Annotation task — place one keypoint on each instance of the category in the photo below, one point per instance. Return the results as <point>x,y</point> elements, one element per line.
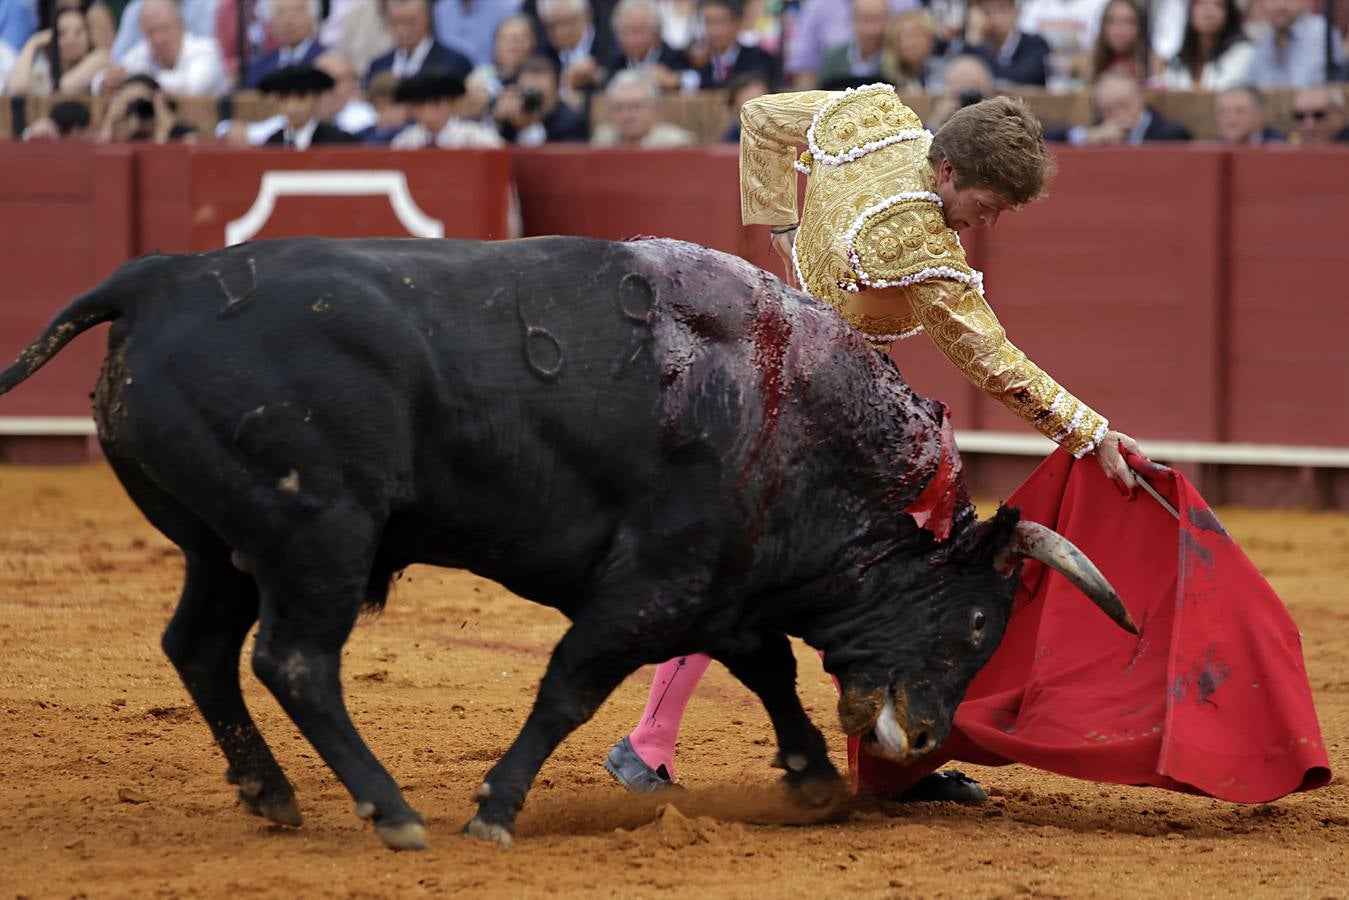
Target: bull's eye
<point>978,621</point>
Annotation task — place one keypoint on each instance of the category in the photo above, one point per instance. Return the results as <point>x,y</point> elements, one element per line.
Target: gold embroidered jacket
<point>872,221</point>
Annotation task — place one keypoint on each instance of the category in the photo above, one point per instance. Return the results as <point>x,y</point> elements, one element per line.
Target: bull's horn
<point>1033,540</point>
<point>888,733</point>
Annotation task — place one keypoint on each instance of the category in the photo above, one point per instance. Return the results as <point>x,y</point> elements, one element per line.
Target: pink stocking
<point>655,735</point>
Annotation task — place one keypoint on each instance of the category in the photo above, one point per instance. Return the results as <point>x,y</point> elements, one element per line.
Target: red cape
<point>1212,696</point>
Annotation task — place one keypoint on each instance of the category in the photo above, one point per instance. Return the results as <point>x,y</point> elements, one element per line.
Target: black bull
<point>660,441</point>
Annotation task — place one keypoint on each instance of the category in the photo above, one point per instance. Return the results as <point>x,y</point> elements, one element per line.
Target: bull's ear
<point>984,542</point>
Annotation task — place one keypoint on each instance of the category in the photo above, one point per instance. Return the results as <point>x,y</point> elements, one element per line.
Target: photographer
<point>141,111</point>
<point>967,80</point>
<point>529,112</point>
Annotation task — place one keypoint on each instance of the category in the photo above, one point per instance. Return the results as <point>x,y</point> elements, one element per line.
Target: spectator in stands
<point>1293,53</point>
<point>1124,117</point>
<point>634,115</point>
<point>298,90</point>
<point>198,18</point>
<point>179,62</point>
<point>910,62</point>
<point>761,24</point>
<point>140,110</point>
<point>432,98</point>
<point>1069,26</point>
<point>1214,54</point>
<point>359,29</point>
<point>742,89</point>
<point>257,39</point>
<point>967,81</point>
<point>572,45</point>
<point>515,42</point>
<point>823,24</point>
<point>1318,116</point>
<point>18,21</point>
<point>1242,120</point>
<point>679,25</point>
<point>294,27</point>
<point>98,18</point>
<point>1166,23</point>
<point>341,106</point>
<point>858,61</point>
<point>415,50</point>
<point>638,46</point>
<point>470,26</point>
<point>67,120</point>
<point>61,59</point>
<point>531,111</point>
<point>1015,56</point>
<point>391,116</point>
<point>1121,47</point>
<point>727,57</point>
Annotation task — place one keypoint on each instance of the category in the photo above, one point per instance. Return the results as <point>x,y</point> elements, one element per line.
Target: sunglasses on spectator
<point>1317,114</point>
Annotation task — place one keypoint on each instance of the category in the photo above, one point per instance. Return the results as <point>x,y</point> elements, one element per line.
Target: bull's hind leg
<point>769,670</point>
<point>306,618</point>
<point>203,640</point>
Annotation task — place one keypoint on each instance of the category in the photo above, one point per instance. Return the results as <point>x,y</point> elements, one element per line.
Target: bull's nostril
<point>920,742</point>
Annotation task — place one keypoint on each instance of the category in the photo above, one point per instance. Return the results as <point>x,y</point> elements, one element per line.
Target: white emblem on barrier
<point>391,184</point>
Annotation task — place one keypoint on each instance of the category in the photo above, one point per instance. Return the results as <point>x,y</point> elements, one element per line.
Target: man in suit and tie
<point>415,49</point>
<point>298,90</point>
<point>636,26</point>
<point>1015,56</point>
<point>1241,118</point>
<point>294,25</point>
<point>575,44</point>
<point>726,56</point>
<point>1125,117</point>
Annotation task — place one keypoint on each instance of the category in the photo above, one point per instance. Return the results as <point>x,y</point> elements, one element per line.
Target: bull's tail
<point>102,304</point>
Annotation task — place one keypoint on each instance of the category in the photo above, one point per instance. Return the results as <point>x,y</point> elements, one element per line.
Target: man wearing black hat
<point>297,90</point>
<point>433,100</point>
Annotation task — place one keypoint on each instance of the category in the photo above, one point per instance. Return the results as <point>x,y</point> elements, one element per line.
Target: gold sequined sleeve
<point>963,327</point>
<point>771,128</point>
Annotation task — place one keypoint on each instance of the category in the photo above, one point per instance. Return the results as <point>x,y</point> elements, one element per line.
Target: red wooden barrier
<point>1112,285</point>
<point>1188,293</point>
<point>201,198</point>
<point>688,194</point>
<point>1288,316</point>
<point>65,224</point>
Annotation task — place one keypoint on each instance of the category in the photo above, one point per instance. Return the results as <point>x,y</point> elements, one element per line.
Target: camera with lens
<point>140,108</point>
<point>970,97</point>
<point>531,101</point>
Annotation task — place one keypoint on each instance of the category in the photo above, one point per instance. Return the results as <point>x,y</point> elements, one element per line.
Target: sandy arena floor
<point>110,784</point>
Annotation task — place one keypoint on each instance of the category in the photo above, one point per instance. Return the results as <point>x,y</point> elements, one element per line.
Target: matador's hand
<point>1109,453</point>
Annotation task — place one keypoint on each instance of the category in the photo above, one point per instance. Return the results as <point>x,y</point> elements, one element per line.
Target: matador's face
<point>969,207</point>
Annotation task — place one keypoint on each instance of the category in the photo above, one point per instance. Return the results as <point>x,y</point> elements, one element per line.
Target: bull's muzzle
<point>882,721</point>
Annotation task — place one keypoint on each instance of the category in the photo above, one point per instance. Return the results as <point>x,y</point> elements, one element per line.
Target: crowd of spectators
<point>456,73</point>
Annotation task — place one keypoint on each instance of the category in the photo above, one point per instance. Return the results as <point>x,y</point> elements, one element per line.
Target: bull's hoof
<point>403,835</point>
<point>491,834</point>
<point>821,792</point>
<point>270,805</point>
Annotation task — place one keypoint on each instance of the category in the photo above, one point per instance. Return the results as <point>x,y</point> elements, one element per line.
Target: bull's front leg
<point>769,670</point>
<point>590,661</point>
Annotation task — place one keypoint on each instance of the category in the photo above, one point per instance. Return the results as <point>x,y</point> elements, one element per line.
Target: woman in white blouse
<point>61,59</point>
<point>1215,54</point>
